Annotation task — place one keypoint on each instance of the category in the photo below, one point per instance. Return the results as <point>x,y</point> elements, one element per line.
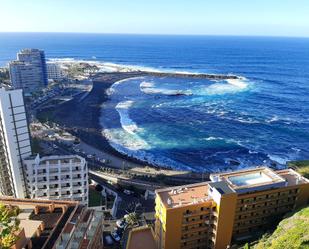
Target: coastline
<point>83,118</point>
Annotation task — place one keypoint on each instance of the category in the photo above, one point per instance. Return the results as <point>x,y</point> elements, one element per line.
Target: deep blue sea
<point>212,124</point>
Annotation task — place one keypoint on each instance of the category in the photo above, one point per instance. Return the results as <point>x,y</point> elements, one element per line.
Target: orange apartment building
<point>232,206</point>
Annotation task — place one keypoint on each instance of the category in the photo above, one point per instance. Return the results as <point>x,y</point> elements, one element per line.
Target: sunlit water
<point>197,124</point>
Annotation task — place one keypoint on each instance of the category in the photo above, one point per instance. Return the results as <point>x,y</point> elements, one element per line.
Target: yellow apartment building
<point>232,206</point>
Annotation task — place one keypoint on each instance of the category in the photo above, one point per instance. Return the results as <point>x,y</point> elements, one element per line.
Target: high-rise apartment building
<point>63,177</point>
<point>29,71</point>
<point>231,206</point>
<point>15,143</point>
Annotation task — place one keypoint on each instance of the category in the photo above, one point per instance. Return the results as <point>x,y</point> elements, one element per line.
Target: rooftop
<point>141,237</point>
<point>80,229</point>
<point>291,177</point>
<point>53,214</point>
<point>242,179</point>
<point>184,195</point>
<point>55,159</point>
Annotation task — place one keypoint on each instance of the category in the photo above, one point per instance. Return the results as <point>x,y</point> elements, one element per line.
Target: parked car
<point>109,240</point>
<point>115,236</point>
<point>89,156</point>
<point>128,192</point>
<point>76,150</point>
<point>120,223</point>
<point>119,231</point>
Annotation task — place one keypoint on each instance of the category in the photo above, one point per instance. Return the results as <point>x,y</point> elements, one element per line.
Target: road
<point>128,202</point>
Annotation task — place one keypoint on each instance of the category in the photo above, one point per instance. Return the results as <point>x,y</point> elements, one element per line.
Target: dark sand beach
<point>82,118</point>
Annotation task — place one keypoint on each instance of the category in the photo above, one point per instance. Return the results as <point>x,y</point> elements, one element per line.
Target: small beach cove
<point>82,118</point>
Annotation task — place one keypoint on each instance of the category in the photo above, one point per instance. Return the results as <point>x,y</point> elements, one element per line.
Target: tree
<point>9,225</point>
<point>98,188</point>
<point>131,219</point>
<point>246,246</point>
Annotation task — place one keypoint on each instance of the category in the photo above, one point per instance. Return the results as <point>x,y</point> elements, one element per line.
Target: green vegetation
<point>35,146</point>
<point>302,167</point>
<point>131,219</point>
<point>45,116</point>
<point>79,69</point>
<point>95,198</point>
<point>292,233</point>
<point>9,225</point>
<point>4,74</point>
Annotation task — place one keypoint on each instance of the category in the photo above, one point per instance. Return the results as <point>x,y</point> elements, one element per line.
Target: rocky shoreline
<point>175,74</point>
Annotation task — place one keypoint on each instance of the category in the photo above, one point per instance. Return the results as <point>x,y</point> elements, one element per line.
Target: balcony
<point>195,229</point>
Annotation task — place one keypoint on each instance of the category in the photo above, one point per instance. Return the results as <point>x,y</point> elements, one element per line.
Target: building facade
<point>46,224</point>
<point>54,72</point>
<point>231,207</point>
<point>57,178</point>
<point>29,71</point>
<point>15,143</point>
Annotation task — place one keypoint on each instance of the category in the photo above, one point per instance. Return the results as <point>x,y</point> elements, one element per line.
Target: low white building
<point>55,72</point>
<point>57,178</point>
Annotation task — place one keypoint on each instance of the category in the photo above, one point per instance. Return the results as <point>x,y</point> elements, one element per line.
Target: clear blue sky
<point>217,17</point>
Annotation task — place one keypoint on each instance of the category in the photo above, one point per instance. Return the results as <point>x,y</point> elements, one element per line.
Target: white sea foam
<point>134,146</point>
<point>232,86</point>
<point>146,84</point>
<point>213,138</point>
<point>150,89</point>
<point>112,89</point>
<point>126,122</point>
<point>240,83</point>
<point>120,139</point>
<point>272,119</point>
<point>279,159</point>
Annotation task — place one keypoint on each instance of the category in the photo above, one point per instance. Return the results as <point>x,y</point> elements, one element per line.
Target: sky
<point>201,17</point>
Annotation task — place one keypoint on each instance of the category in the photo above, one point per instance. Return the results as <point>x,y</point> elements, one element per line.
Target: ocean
<point>200,125</point>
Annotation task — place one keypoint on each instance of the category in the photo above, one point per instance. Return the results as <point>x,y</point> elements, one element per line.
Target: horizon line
<point>147,34</point>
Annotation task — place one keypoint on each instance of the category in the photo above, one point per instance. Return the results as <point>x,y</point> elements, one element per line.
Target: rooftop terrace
<point>251,178</point>
<point>291,177</point>
<point>184,195</point>
<point>141,237</point>
<point>243,181</point>
<point>41,220</point>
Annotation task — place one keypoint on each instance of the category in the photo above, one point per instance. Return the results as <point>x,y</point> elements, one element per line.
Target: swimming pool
<point>250,179</point>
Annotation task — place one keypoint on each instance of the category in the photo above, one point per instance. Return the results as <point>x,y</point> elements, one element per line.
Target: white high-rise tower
<point>15,143</point>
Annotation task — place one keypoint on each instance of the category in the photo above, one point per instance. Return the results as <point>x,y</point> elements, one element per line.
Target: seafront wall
<point>192,75</point>
<point>171,74</point>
